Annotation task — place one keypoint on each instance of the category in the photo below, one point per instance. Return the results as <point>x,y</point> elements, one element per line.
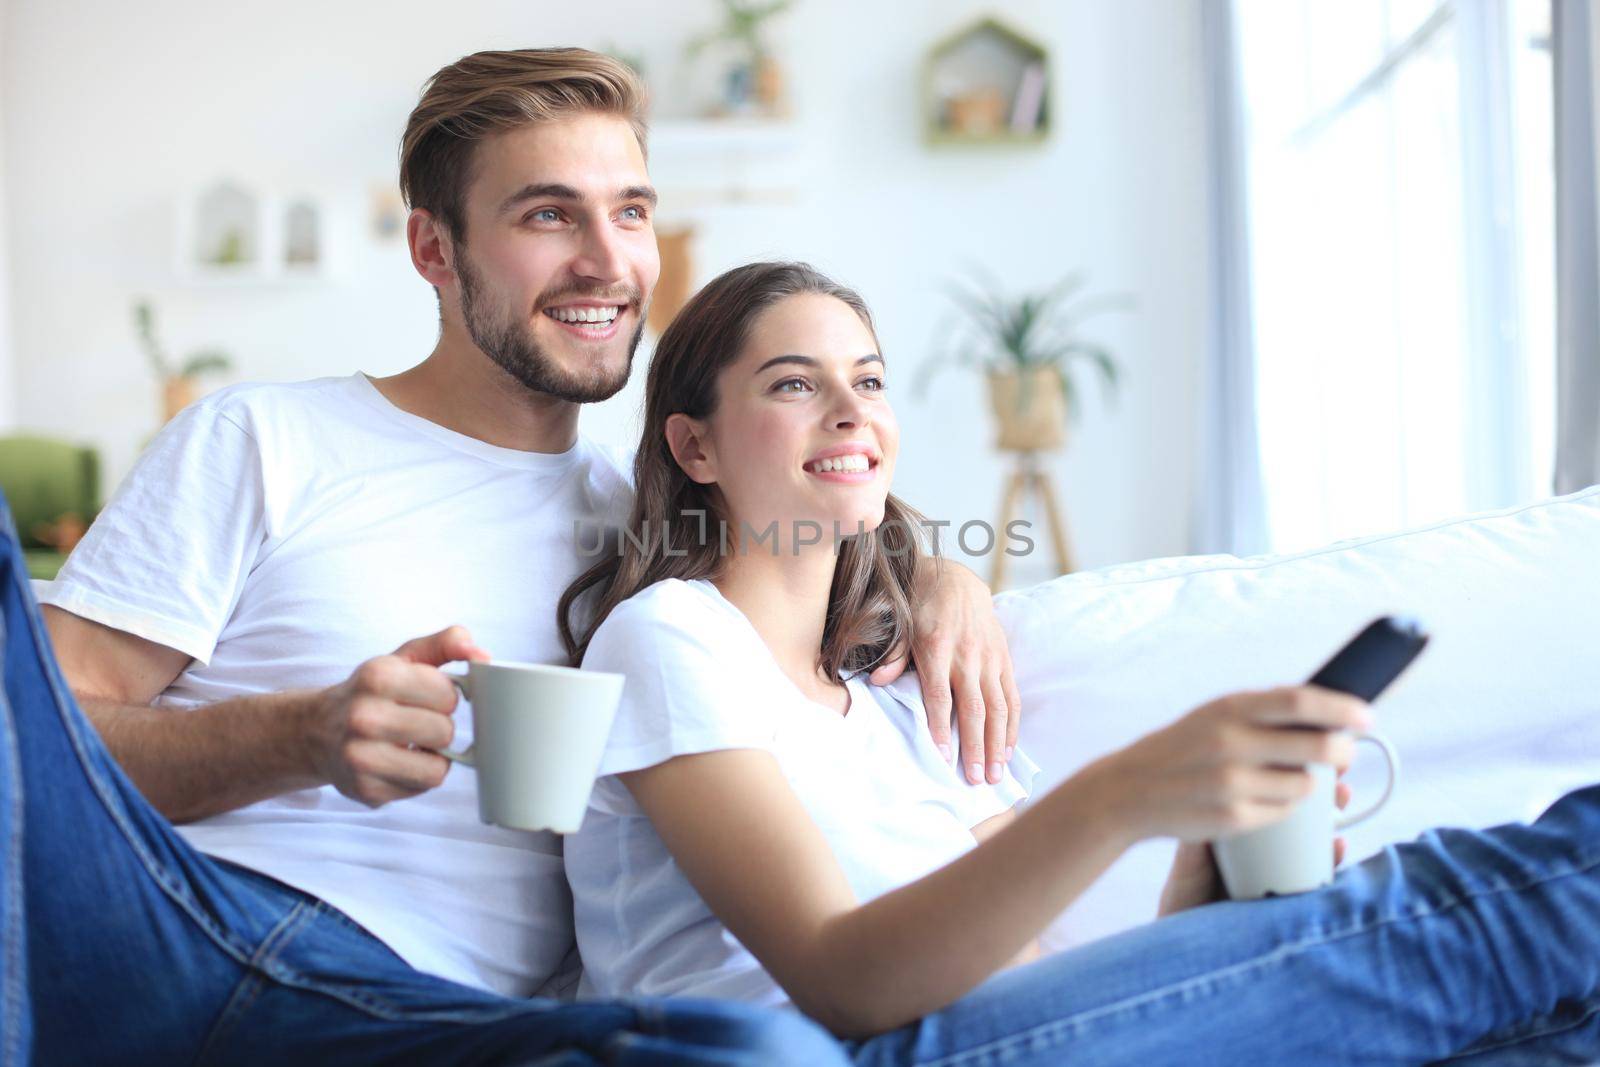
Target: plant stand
<point>1028,476</point>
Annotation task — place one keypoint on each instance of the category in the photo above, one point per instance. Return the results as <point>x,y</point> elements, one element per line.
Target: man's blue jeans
<point>121,944</point>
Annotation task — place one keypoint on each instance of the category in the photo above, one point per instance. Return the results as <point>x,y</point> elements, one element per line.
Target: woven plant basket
<point>1031,419</point>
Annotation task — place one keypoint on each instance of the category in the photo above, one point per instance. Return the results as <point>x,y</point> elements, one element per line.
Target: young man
<point>221,622</point>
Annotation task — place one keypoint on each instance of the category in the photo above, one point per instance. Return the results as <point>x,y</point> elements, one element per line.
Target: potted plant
<point>1027,346</point>
<point>180,382</point>
<point>756,76</point>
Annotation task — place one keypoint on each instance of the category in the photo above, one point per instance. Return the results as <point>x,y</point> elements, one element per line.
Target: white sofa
<point>1499,716</point>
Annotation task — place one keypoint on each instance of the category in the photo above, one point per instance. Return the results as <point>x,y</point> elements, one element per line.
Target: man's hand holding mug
<point>376,736</point>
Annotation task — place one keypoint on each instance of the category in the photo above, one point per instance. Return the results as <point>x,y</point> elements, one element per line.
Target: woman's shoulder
<point>667,602</point>
<point>674,613</point>
<point>689,685</point>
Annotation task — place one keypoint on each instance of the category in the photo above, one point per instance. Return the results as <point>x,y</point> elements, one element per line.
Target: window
<point>1401,216</point>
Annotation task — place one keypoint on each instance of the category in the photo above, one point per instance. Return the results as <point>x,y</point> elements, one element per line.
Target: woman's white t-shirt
<point>700,679</point>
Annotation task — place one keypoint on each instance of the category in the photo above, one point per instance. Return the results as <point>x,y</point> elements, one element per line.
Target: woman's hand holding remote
<point>1233,764</point>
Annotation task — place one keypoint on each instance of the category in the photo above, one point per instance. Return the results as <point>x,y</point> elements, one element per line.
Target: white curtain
<point>1397,233</point>
<point>1230,516</point>
<point>1577,248</point>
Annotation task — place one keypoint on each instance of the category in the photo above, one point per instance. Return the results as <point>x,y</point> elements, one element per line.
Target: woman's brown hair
<point>869,606</point>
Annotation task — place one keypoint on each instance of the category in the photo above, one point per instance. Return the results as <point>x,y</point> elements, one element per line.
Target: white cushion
<point>1496,719</point>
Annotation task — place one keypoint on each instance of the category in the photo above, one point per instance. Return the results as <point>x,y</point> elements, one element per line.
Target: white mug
<point>1295,854</point>
<point>538,734</point>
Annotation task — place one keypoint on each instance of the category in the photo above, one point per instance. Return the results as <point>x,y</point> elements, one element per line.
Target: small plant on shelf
<point>754,80</point>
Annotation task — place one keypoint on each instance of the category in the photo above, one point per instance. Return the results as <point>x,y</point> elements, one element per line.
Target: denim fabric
<point>16,1022</point>
<point>1484,946</point>
<point>129,946</point>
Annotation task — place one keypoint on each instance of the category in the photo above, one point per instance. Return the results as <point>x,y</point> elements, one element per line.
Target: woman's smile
<point>849,464</point>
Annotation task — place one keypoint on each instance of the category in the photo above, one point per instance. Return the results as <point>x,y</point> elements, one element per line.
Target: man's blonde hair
<point>487,93</point>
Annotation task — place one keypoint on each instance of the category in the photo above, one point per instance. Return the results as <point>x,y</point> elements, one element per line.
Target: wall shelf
<point>709,163</point>
<point>986,84</point>
<point>231,233</point>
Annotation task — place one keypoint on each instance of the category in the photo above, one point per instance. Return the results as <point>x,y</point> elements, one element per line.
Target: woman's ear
<point>691,447</point>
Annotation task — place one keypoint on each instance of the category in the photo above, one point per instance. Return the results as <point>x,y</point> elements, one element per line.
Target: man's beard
<point>510,344</point>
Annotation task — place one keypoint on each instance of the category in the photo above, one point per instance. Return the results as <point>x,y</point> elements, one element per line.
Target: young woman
<point>769,827</point>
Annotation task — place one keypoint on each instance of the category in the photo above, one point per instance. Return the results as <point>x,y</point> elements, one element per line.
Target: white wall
<point>7,359</point>
<point>127,106</point>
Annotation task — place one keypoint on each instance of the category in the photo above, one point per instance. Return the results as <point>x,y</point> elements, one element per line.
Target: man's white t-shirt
<point>282,534</point>
<point>700,679</point>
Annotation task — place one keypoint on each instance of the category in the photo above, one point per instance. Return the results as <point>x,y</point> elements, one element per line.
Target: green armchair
<point>48,483</point>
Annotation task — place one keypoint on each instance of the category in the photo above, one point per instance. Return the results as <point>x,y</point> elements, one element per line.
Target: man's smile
<point>591,322</point>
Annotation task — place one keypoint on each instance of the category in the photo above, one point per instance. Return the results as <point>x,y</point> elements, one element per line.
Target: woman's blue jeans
<point>1478,948</point>
<point>120,944</point>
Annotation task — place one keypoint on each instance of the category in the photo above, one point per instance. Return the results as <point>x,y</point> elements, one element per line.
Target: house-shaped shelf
<point>987,84</point>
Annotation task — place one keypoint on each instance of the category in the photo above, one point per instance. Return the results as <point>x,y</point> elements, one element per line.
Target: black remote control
<point>1373,658</point>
